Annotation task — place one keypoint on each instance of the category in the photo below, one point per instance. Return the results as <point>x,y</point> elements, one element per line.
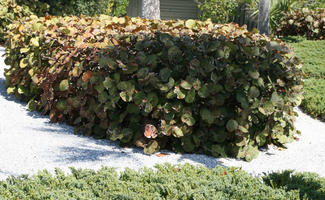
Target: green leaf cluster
<point>189,86</point>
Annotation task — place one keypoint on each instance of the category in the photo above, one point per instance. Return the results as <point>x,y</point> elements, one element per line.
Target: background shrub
<point>117,7</point>
<point>313,4</point>
<point>306,22</point>
<point>38,7</point>
<point>219,11</point>
<point>76,7</point>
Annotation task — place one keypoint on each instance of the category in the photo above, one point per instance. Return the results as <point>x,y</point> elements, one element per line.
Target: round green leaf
<point>186,85</point>
<point>190,96</point>
<point>64,85</point>
<point>177,132</point>
<point>188,119</point>
<point>232,125</point>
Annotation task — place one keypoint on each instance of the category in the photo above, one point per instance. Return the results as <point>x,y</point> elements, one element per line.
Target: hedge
<point>188,86</point>
<point>304,22</point>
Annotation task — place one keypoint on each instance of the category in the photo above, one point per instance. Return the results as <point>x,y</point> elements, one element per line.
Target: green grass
<point>312,54</point>
<point>166,182</point>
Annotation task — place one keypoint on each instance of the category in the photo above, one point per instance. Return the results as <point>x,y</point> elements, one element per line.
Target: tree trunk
<point>151,9</point>
<point>264,17</point>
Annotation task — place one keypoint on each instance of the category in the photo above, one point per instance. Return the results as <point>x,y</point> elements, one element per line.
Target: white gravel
<point>29,142</point>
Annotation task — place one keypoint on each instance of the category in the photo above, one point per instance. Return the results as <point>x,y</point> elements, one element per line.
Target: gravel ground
<point>29,142</point>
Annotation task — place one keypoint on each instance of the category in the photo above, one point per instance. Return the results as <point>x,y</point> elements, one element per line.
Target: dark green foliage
<point>309,185</point>
<point>167,182</point>
<point>304,22</point>
<point>312,55</point>
<point>38,7</point>
<point>189,86</point>
<point>76,7</point>
<point>219,11</point>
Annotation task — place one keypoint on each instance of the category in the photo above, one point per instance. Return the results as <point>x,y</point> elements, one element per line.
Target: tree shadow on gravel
<point>69,155</point>
<point>310,185</point>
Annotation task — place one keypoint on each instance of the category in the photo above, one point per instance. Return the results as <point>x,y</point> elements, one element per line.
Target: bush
<point>167,182</point>
<point>77,7</point>
<point>313,4</point>
<point>117,7</point>
<point>9,12</point>
<point>38,7</point>
<point>189,86</point>
<point>219,11</point>
<point>305,22</point>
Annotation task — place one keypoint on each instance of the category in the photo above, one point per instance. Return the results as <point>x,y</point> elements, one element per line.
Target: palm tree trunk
<point>151,9</point>
<point>264,17</point>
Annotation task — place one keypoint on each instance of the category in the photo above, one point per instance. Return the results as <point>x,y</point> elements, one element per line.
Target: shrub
<point>38,7</point>
<point>9,12</point>
<point>77,7</point>
<point>117,7</point>
<point>313,4</point>
<point>183,85</point>
<point>166,182</point>
<point>219,11</point>
<point>306,22</point>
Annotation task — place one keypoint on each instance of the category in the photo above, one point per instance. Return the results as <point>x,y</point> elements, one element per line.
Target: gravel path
<point>29,142</point>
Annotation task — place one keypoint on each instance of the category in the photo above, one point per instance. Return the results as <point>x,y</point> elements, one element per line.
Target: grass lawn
<point>312,54</point>
<point>167,182</point>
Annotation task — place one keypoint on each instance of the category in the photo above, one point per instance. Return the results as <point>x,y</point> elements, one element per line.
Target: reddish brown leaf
<point>87,76</point>
<point>150,131</point>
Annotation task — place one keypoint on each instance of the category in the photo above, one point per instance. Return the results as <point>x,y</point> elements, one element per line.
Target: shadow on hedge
<point>310,185</point>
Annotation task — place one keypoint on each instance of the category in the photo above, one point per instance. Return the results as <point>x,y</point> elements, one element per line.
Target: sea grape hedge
<point>304,22</point>
<point>189,86</point>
